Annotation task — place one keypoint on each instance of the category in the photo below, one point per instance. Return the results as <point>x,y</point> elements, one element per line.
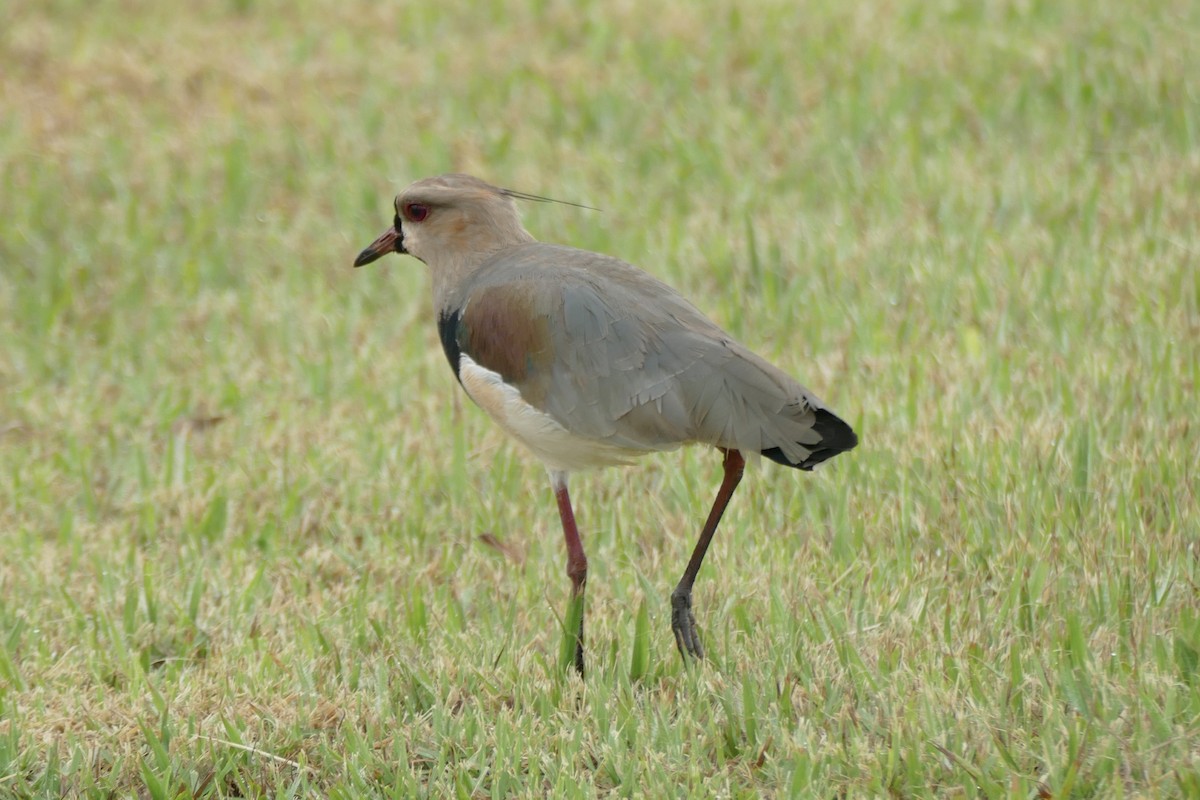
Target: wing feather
<point>620,358</point>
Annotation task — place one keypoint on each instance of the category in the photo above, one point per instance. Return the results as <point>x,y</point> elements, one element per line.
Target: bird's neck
<point>448,279</point>
<point>452,274</point>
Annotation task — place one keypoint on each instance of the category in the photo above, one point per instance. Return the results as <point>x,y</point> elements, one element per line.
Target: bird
<point>588,361</point>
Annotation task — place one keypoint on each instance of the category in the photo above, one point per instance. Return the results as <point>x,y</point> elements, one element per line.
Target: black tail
<point>836,437</point>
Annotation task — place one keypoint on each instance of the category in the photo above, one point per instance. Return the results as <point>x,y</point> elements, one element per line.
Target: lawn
<point>255,542</point>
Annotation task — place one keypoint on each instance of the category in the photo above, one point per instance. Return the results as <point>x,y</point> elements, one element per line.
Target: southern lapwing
<point>588,361</point>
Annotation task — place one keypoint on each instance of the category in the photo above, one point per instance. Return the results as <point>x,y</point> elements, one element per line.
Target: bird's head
<point>450,222</point>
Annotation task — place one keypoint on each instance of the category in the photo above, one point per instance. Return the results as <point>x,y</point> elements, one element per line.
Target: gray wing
<point>620,357</point>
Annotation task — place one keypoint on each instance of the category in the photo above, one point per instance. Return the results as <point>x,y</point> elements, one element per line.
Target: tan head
<point>451,222</point>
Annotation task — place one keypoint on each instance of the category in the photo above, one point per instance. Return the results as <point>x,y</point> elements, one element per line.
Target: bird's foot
<point>579,659</point>
<point>683,624</point>
<point>571,651</point>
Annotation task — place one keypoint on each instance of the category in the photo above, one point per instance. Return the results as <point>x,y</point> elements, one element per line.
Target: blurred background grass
<point>254,541</point>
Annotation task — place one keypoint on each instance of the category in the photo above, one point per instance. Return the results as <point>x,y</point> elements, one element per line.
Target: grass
<point>255,543</point>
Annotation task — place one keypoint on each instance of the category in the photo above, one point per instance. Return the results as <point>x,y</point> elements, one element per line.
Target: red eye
<point>416,212</point>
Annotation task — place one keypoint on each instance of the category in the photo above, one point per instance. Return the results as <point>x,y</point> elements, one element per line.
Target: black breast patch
<point>448,322</point>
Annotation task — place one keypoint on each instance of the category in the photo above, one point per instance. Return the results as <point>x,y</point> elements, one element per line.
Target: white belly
<point>557,447</point>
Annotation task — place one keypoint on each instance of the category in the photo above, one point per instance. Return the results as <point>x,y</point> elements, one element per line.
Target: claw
<point>683,625</point>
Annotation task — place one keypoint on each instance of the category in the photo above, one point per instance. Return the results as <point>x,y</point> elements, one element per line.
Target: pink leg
<point>576,558</point>
<point>682,622</point>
